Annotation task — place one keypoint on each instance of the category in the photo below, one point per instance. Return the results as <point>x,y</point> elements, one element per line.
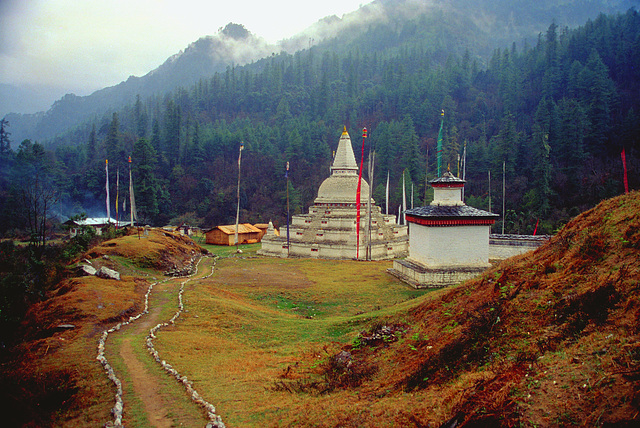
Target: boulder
<point>86,270</point>
<point>106,273</point>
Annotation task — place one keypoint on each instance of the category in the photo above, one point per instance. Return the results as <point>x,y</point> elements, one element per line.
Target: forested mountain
<point>555,112</point>
<point>441,26</point>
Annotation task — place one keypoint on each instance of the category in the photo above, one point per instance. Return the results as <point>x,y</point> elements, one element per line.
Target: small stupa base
<point>421,276</point>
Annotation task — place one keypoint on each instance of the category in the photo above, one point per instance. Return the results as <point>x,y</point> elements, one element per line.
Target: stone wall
<point>420,276</point>
<point>502,247</point>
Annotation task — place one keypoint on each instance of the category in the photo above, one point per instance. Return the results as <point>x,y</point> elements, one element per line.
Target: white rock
<point>106,273</point>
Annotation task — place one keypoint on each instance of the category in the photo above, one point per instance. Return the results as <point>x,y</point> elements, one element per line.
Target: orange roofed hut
<point>226,235</point>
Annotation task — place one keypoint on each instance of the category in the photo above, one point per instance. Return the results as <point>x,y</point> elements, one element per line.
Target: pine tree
<point>146,185</point>
<point>172,133</point>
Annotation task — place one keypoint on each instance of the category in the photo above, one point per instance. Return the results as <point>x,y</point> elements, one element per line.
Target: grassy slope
<point>256,316</point>
<point>548,338</point>
<point>53,377</point>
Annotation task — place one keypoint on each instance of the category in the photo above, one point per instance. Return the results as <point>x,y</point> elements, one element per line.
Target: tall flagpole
<point>623,155</point>
<point>464,166</point>
<point>411,194</point>
<point>238,207</point>
<point>106,163</point>
<point>439,147</point>
<point>132,201</point>
<point>404,201</point>
<point>286,174</point>
<point>504,214</point>
<point>426,179</point>
<point>372,161</point>
<point>364,135</point>
<point>386,208</point>
<point>117,194</point>
<point>489,172</point>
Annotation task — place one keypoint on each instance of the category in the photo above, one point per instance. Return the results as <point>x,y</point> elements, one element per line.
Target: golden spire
<point>344,130</point>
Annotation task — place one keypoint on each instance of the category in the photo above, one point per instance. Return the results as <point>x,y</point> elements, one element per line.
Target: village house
<point>226,235</point>
<point>95,223</point>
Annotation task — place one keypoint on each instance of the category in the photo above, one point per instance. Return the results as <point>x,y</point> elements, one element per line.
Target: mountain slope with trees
<point>556,114</point>
<point>449,25</point>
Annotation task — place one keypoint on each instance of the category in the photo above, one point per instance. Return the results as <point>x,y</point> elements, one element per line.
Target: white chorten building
<point>328,231</point>
<point>448,240</point>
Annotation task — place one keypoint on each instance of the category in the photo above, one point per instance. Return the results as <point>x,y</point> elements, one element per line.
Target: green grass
<point>230,250</point>
<point>256,316</point>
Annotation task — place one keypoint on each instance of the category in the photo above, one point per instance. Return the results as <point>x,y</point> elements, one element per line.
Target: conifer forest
<point>551,117</point>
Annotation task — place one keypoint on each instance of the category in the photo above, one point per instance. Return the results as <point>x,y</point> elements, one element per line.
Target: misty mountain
<point>445,26</point>
<point>232,45</point>
<point>26,99</point>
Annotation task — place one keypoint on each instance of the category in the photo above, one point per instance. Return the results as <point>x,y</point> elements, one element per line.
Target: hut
<point>263,228</point>
<point>226,235</point>
<point>95,223</point>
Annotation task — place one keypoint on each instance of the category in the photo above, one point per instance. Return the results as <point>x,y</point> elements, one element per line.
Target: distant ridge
<point>479,26</point>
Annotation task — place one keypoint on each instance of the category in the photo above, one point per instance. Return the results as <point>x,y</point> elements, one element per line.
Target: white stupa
<point>329,229</point>
<point>448,240</point>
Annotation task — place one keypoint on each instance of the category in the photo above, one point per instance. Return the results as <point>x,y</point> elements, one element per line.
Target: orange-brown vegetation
<point>53,372</point>
<point>550,338</point>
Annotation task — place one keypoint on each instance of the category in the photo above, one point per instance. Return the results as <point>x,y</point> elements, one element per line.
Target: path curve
<point>144,383</point>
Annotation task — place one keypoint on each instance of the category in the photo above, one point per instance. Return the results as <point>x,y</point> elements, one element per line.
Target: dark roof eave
<point>449,211</point>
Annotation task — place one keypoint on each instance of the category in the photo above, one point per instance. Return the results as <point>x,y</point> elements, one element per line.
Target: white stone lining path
<point>215,421</point>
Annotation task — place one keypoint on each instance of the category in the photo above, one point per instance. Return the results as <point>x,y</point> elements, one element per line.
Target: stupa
<point>328,231</point>
<point>448,240</point>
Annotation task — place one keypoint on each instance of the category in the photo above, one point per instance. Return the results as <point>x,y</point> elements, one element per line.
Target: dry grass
<point>550,338</point>
<point>52,377</point>
<point>256,317</point>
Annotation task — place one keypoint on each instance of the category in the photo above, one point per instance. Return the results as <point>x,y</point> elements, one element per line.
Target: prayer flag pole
<point>287,177</point>
<point>238,207</point>
<point>386,209</point>
<point>372,161</point>
<point>106,163</point>
<point>624,165</point>
<point>404,201</point>
<point>117,194</point>
<point>439,147</point>
<point>364,135</point>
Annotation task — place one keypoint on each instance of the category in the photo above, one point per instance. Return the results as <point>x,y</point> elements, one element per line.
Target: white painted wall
<point>449,246</point>
<point>447,196</point>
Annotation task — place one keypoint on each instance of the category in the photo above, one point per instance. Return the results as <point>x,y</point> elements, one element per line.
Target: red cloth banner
<point>624,166</point>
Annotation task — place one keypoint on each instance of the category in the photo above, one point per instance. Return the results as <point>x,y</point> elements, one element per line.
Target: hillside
<point>53,369</point>
<point>551,119</point>
<point>550,338</point>
<point>377,27</point>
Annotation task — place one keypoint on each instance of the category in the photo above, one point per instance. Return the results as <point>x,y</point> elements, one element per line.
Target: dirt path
<point>144,383</point>
<point>158,405</point>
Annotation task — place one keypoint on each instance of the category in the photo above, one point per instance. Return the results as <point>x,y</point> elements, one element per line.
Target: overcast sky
<point>82,46</point>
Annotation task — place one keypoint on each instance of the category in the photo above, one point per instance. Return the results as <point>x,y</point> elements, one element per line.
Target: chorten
<point>328,231</point>
<point>448,240</point>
